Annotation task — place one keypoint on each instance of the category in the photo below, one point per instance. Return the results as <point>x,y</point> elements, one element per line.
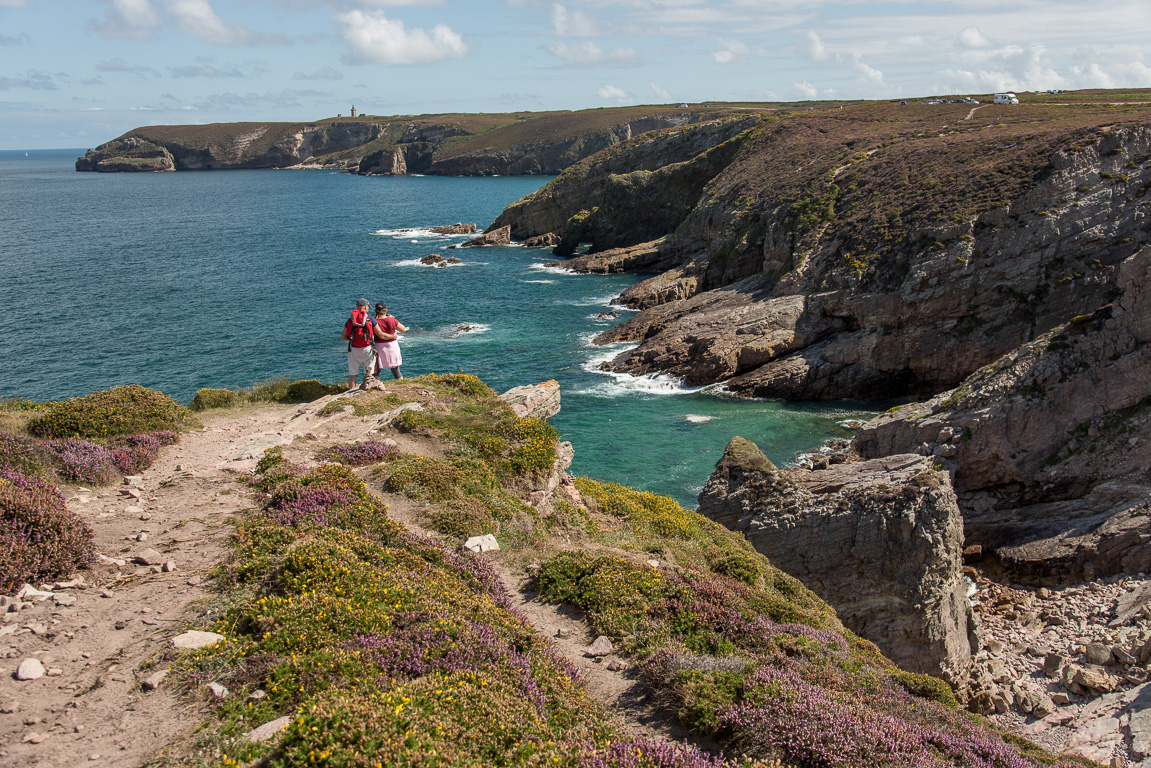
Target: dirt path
<point>620,689</point>
<point>973,110</point>
<point>97,640</point>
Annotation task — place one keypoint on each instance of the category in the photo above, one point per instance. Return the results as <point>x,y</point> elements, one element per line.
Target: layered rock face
<point>849,254</point>
<point>881,541</point>
<point>458,145</point>
<point>632,193</point>
<point>1048,445</point>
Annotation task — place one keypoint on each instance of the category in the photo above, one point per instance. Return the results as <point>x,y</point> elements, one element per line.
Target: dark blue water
<point>185,280</point>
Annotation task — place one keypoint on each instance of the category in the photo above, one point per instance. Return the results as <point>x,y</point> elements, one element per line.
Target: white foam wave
<point>595,318</point>
<point>418,263</point>
<point>407,233</point>
<point>539,265</point>
<point>540,282</point>
<point>695,418</point>
<point>465,329</point>
<point>625,383</point>
<point>594,301</point>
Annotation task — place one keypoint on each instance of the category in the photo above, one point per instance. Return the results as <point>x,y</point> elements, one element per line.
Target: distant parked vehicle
<point>903,103</point>
<point>970,100</point>
<point>1006,98</point>
<point>934,101</point>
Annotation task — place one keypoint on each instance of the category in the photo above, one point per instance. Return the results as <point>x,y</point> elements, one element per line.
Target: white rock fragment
<point>28,592</point>
<point>218,690</point>
<point>30,669</point>
<point>152,681</point>
<point>485,543</point>
<point>194,639</point>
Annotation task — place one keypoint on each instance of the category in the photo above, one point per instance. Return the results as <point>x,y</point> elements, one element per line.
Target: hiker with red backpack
<point>359,332</point>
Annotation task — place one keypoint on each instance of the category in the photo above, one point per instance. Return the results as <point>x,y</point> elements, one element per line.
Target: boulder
<point>881,541</point>
<point>30,669</point>
<point>1094,679</point>
<point>600,647</point>
<point>546,240</point>
<point>500,236</point>
<point>433,259</point>
<point>541,401</point>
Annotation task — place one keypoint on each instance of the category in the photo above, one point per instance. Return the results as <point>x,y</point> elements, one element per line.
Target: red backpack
<point>360,329</point>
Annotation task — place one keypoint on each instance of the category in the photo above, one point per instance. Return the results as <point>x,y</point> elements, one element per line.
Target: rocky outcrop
<point>456,145</point>
<point>501,236</point>
<point>635,192</point>
<point>455,229</point>
<point>643,256</point>
<point>916,256</point>
<point>129,154</point>
<point>881,541</point>
<point>540,401</point>
<point>1048,445</point>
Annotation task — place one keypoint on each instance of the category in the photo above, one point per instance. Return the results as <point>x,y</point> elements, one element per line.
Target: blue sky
<point>77,73</point>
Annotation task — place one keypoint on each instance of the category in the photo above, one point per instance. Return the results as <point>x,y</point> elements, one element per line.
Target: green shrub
<point>213,398</point>
<point>463,518</point>
<point>39,538</point>
<point>424,478</point>
<point>127,410</point>
<point>925,687</point>
<point>307,390</point>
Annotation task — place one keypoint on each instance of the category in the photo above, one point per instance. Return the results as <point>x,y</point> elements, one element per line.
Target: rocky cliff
<point>881,541</point>
<point>867,251</point>
<point>1048,444</point>
<point>454,144</point>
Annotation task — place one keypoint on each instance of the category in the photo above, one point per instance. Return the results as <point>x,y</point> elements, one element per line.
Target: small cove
<point>184,280</point>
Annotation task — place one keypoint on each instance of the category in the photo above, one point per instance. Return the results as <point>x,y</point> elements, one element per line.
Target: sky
<point>76,73</point>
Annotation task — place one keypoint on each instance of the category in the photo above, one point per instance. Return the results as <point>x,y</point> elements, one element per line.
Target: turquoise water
<point>185,280</point>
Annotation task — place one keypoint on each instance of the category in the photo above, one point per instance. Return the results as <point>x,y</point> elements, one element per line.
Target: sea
<point>184,280</point>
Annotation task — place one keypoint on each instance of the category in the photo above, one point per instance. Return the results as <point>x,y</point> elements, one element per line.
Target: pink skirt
<point>389,353</point>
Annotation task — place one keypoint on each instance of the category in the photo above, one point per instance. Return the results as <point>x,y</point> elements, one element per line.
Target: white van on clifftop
<point>1006,98</point>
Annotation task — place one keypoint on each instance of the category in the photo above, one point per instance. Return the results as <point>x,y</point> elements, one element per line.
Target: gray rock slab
<point>601,647</point>
<point>268,730</point>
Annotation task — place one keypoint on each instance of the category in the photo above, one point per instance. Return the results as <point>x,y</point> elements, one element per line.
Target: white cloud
<point>127,19</point>
<point>591,53</point>
<point>813,48</point>
<point>573,23</point>
<point>971,37</point>
<point>376,38</point>
<point>731,50</point>
<point>12,3</point>
<point>199,19</point>
<point>805,90</point>
<point>17,39</point>
<point>870,78</point>
<point>614,93</point>
<point>327,73</point>
<point>660,92</point>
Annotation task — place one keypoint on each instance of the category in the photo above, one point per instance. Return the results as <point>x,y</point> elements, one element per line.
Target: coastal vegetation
<point>385,645</point>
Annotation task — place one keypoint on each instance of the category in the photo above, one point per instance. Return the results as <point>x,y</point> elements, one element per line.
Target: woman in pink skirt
<point>387,347</point>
